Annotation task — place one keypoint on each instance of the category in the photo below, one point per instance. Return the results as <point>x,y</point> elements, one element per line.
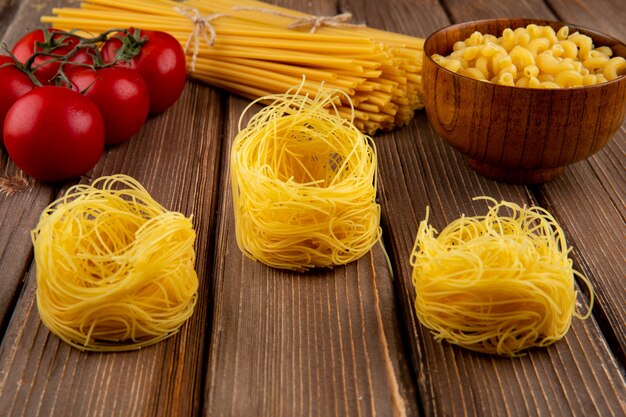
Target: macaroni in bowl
<point>534,57</point>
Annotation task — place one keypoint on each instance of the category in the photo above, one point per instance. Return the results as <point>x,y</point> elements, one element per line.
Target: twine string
<point>202,27</point>
<point>15,184</point>
<point>315,22</point>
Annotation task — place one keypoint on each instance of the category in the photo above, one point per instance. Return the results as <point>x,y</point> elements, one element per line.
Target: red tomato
<point>13,85</point>
<point>161,64</point>
<point>54,133</point>
<point>121,96</point>
<point>46,67</point>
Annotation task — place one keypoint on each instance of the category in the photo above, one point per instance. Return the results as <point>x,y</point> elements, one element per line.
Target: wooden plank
<point>19,17</point>
<point>602,15</point>
<point>7,11</point>
<point>175,156</point>
<point>315,344</point>
<point>597,188</point>
<point>418,170</point>
<point>287,344</point>
<point>608,166</point>
<point>596,231</point>
<point>431,174</point>
<point>429,13</point>
<point>18,212</point>
<point>462,11</point>
<point>321,343</point>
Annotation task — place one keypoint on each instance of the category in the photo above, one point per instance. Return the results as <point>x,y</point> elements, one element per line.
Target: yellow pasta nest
<point>304,184</point>
<point>534,57</point>
<point>115,270</point>
<point>498,283</point>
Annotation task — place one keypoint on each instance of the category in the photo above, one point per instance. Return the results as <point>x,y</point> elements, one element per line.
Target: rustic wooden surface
<point>341,342</point>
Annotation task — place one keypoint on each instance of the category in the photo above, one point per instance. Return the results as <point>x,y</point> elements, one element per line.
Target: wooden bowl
<point>519,135</point>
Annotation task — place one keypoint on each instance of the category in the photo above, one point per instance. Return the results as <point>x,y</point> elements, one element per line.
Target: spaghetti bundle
<point>115,269</point>
<point>255,49</point>
<point>498,283</point>
<point>304,184</point>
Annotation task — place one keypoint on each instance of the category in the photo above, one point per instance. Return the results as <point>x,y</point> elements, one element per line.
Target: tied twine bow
<point>315,22</point>
<point>202,24</point>
<point>201,27</point>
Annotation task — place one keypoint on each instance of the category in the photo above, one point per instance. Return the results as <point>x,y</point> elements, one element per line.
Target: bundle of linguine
<point>255,49</point>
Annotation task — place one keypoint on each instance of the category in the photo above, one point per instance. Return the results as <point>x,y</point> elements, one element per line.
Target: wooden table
<point>341,342</point>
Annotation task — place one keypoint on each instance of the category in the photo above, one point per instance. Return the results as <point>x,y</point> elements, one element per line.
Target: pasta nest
<point>499,283</point>
<point>304,184</point>
<point>115,269</point>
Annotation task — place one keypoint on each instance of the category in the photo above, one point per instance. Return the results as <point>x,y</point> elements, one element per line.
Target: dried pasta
<point>534,57</point>
<point>255,53</point>
<point>498,283</point>
<point>304,184</point>
<point>115,269</point>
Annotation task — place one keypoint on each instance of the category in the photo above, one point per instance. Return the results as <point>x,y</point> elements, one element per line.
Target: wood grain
<point>176,156</point>
<point>7,11</point>
<point>454,381</point>
<point>463,11</point>
<point>329,342</point>
<point>321,343</point>
<point>20,214</point>
<point>418,170</point>
<point>604,15</point>
<point>597,188</point>
<point>21,211</point>
<point>589,199</point>
<point>317,344</point>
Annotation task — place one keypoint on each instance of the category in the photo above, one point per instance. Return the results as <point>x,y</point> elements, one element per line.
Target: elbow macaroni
<point>534,57</point>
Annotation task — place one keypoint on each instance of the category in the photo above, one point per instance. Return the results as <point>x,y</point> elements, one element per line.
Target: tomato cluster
<point>63,97</point>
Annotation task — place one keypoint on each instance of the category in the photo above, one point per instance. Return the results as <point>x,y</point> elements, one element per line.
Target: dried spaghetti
<point>497,283</point>
<point>115,269</point>
<point>304,184</point>
<point>254,49</point>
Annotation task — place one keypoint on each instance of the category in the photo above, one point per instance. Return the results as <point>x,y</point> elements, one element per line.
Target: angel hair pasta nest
<point>115,270</point>
<point>499,283</point>
<point>304,184</point>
